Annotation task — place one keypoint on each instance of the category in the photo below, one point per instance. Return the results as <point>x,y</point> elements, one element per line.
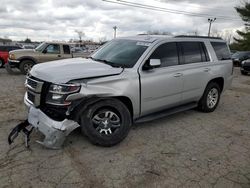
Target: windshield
<point>41,46</point>
<point>123,53</point>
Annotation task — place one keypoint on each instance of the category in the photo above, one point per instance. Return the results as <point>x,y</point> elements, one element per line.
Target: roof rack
<point>194,36</point>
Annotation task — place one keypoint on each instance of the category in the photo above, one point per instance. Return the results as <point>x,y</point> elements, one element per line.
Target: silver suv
<point>128,80</point>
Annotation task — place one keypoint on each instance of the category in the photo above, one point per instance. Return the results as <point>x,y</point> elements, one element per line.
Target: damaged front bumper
<point>55,132</point>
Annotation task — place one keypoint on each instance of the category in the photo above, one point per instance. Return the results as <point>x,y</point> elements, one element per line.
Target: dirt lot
<point>189,149</point>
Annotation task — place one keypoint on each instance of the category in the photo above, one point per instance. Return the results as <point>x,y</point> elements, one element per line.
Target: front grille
<point>31,83</point>
<point>31,97</point>
<point>34,86</point>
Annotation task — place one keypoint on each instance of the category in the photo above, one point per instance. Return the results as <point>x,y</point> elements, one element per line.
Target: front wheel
<point>106,122</point>
<point>26,66</point>
<point>243,72</point>
<point>210,98</point>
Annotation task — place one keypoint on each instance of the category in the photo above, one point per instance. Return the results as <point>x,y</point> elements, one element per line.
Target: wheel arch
<point>219,81</point>
<point>127,102</point>
<point>27,58</point>
<point>83,105</point>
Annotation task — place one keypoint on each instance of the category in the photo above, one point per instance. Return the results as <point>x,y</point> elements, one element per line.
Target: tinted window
<point>221,50</point>
<point>66,49</point>
<point>167,53</point>
<point>193,52</point>
<point>53,49</point>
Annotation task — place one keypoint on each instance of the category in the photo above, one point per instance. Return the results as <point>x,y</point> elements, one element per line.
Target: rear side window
<point>221,50</point>
<point>167,53</point>
<point>193,52</point>
<point>66,49</point>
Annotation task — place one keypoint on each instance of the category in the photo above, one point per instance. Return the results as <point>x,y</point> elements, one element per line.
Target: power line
<point>198,6</point>
<point>177,11</point>
<point>173,11</point>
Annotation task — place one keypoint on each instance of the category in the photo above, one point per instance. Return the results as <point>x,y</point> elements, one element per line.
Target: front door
<point>161,87</point>
<point>50,53</point>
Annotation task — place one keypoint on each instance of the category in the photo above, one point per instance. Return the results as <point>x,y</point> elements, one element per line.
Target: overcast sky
<point>58,19</point>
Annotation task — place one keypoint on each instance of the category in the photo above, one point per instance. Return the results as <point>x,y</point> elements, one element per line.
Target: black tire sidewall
<point>1,63</point>
<point>203,102</point>
<point>22,65</point>
<point>243,72</point>
<point>94,136</point>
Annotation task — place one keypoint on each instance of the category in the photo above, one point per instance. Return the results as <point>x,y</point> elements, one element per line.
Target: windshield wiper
<point>108,62</point>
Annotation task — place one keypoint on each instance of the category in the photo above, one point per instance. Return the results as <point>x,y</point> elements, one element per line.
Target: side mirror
<point>45,51</point>
<point>154,63</point>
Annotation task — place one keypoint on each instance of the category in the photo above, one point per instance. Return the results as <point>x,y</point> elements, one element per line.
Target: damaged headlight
<point>59,92</point>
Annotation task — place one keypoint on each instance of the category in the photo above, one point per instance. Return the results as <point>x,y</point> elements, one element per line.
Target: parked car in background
<point>25,59</point>
<point>28,46</point>
<point>80,52</point>
<point>4,53</point>
<point>245,67</point>
<point>240,56</point>
<point>130,79</point>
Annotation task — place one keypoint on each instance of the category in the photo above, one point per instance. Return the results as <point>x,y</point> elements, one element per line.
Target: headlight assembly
<point>59,92</point>
<point>12,56</point>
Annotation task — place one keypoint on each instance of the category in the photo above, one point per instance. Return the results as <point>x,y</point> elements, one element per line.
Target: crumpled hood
<point>62,71</point>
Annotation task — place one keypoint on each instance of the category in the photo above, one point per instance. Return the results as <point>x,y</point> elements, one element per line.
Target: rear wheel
<point>243,72</point>
<point>210,98</point>
<point>106,122</point>
<point>1,63</point>
<point>26,66</point>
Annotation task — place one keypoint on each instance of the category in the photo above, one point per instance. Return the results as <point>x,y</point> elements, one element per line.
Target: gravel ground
<point>189,149</point>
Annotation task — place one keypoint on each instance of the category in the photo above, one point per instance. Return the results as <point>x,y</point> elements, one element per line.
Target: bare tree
<point>81,34</point>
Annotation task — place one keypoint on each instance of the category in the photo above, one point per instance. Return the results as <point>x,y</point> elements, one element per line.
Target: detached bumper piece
<point>25,128</point>
<point>55,132</point>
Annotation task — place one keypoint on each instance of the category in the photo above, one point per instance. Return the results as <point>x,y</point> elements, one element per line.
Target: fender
<point>27,58</point>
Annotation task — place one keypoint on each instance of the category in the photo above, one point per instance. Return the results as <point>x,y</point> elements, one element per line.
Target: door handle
<point>59,56</point>
<point>178,75</point>
<point>207,69</point>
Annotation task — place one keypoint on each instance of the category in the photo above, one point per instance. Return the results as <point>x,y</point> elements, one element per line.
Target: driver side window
<point>167,53</point>
<point>53,49</point>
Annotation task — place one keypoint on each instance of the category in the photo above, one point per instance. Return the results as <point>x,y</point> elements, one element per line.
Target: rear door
<point>161,87</point>
<point>196,64</point>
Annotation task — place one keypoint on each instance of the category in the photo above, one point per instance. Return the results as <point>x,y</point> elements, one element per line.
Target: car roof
<point>54,42</point>
<point>153,38</point>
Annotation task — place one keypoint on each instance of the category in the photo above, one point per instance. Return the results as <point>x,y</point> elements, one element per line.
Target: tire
<point>26,66</point>
<point>105,123</point>
<point>243,72</point>
<point>1,63</point>
<point>212,92</point>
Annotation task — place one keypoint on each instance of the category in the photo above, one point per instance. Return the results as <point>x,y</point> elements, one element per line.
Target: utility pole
<point>115,28</point>
<point>210,21</point>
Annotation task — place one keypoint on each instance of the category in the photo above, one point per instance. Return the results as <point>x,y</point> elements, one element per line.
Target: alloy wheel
<point>212,98</point>
<point>106,122</point>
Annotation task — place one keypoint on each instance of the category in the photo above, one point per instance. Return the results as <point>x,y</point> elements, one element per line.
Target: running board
<point>161,114</point>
